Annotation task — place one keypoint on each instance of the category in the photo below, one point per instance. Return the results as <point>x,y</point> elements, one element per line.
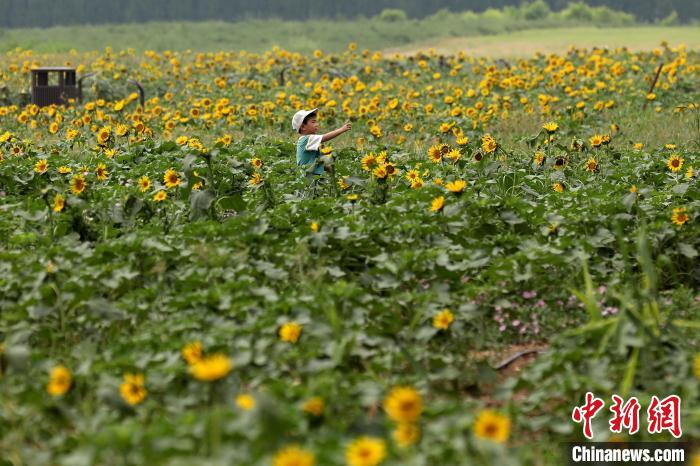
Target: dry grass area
<point>526,43</point>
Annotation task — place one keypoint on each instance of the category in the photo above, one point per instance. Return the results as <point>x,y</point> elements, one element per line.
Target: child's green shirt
<point>308,151</point>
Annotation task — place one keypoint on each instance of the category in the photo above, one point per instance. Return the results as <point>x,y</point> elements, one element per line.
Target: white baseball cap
<point>299,116</point>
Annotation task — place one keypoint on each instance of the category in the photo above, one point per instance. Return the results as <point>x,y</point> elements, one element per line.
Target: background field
<point>495,38</point>
<point>526,43</point>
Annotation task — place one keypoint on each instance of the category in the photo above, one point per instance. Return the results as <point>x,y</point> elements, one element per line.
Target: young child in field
<point>308,146</point>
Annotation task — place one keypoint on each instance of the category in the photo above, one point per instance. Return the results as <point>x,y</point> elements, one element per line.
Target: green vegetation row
<point>44,13</point>
<point>390,29</point>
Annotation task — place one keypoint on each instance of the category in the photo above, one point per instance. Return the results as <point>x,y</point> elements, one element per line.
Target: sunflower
<point>454,155</point>
<point>293,456</point>
<point>558,187</point>
<point>559,163</point>
<point>256,179</point>
<point>437,204</point>
<point>257,163</point>
<point>550,127</point>
<point>435,153</point>
<point>132,389</point>
<point>53,128</point>
<point>290,332</point>
<point>596,140</point>
<point>245,401</point>
<point>343,183</point>
<point>443,319</point>
<point>314,406</point>
<point>182,140</point>
<point>462,141</point>
<point>122,130</point>
<point>60,381</point>
<point>488,144</point>
<point>211,368</point>
<point>369,161</point>
<point>78,184</point>
<point>71,134</point>
<point>391,169</point>
<point>101,171</point>
<point>696,366</point>
<point>478,156</point>
<point>493,426</point>
<point>691,173</point>
<point>675,163</point>
<point>380,172</point>
<point>591,165</point>
<point>171,178</point>
<point>376,131</point>
<point>144,183</point>
<point>679,216</point>
<point>403,404</point>
<point>352,197</point>
<point>192,352</point>
<point>59,203</point>
<point>412,175</point>
<point>103,135</point>
<point>446,127</point>
<point>365,451</point>
<point>456,187</point>
<point>406,434</point>
<point>417,183</point>
<point>160,196</point>
<point>539,158</point>
<point>41,166</point>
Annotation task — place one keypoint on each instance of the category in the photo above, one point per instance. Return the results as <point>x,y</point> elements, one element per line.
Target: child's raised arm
<point>336,132</point>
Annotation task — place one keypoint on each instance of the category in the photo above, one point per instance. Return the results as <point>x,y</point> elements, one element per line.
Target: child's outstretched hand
<point>347,126</point>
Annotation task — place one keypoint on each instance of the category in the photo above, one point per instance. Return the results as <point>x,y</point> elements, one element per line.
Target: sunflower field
<point>491,240</point>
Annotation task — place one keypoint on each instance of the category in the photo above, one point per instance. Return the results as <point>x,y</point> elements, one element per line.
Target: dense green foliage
<point>35,13</point>
<point>551,202</point>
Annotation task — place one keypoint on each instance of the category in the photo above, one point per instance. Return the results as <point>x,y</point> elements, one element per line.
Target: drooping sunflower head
<point>59,203</point>
<point>539,158</point>
<point>437,204</point>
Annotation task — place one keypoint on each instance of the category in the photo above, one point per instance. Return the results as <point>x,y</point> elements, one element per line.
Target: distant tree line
<point>43,13</point>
